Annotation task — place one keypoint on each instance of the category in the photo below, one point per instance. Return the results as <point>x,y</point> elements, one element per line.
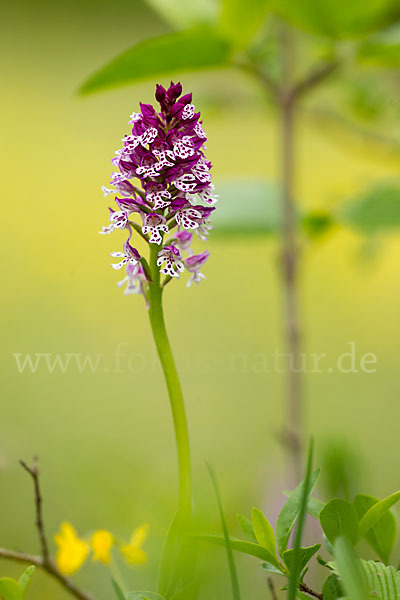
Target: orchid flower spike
<point>162,178</point>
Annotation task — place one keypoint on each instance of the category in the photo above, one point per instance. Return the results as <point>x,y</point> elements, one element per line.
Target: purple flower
<point>171,258</point>
<point>172,193</point>
<point>194,264</point>
<point>135,281</point>
<point>130,256</point>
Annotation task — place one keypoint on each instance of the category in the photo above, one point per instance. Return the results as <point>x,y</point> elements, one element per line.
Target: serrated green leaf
<point>382,536</point>
<point>375,210</point>
<point>339,519</point>
<point>338,18</point>
<point>247,528</point>
<point>383,580</point>
<point>188,592</point>
<point>376,512</point>
<point>289,513</point>
<point>332,589</point>
<point>10,589</point>
<point>305,556</point>
<point>263,530</point>
<point>198,48</point>
<point>25,579</point>
<point>244,547</point>
<point>350,571</point>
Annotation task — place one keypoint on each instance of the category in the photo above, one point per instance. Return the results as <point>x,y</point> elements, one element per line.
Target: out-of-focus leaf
<point>10,589</point>
<point>25,579</point>
<point>289,513</point>
<point>339,519</point>
<point>143,596</point>
<point>228,547</point>
<point>244,547</point>
<point>376,512</point>
<point>316,223</point>
<point>350,570</point>
<point>305,556</point>
<point>314,506</point>
<point>331,589</point>
<point>198,48</point>
<point>247,207</point>
<point>247,528</point>
<point>263,530</point>
<point>338,18</point>
<point>271,569</point>
<point>240,20</point>
<point>117,589</point>
<point>186,14</point>
<point>189,592</point>
<point>382,536</point>
<point>376,210</point>
<point>382,49</point>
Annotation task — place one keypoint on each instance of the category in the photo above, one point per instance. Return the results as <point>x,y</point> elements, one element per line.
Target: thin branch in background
<point>34,473</point>
<point>271,587</point>
<point>317,75</point>
<point>44,561</point>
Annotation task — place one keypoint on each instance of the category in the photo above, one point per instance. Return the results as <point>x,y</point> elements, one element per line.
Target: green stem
<point>157,322</point>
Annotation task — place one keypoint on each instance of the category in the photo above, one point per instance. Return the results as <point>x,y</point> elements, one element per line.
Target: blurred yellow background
<point>105,439</point>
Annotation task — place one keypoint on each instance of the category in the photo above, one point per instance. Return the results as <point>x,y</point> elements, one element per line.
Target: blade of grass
<point>295,570</point>
<point>229,553</point>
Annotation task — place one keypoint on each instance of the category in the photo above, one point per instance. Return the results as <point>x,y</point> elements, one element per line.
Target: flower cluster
<point>73,551</point>
<point>171,195</point>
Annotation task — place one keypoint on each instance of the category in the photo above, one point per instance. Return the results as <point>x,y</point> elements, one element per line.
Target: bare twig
<point>34,473</point>
<point>50,568</point>
<point>44,561</point>
<point>262,76</point>
<point>271,587</point>
<point>317,75</point>
<point>304,588</point>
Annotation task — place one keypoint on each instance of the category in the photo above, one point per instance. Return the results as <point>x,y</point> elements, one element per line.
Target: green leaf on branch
<point>305,556</point>
<point>375,210</point>
<point>376,512</point>
<point>339,519</point>
<point>263,530</point>
<point>338,18</point>
<point>197,48</point>
<point>382,537</point>
<point>383,581</point>
<point>289,513</point>
<point>247,528</point>
<point>332,590</point>
<point>244,547</point>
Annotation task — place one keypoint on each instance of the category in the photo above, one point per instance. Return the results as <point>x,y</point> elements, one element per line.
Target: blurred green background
<point>105,439</point>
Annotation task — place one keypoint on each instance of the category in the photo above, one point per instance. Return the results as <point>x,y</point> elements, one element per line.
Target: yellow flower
<point>102,542</point>
<point>72,551</point>
<point>133,552</point>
